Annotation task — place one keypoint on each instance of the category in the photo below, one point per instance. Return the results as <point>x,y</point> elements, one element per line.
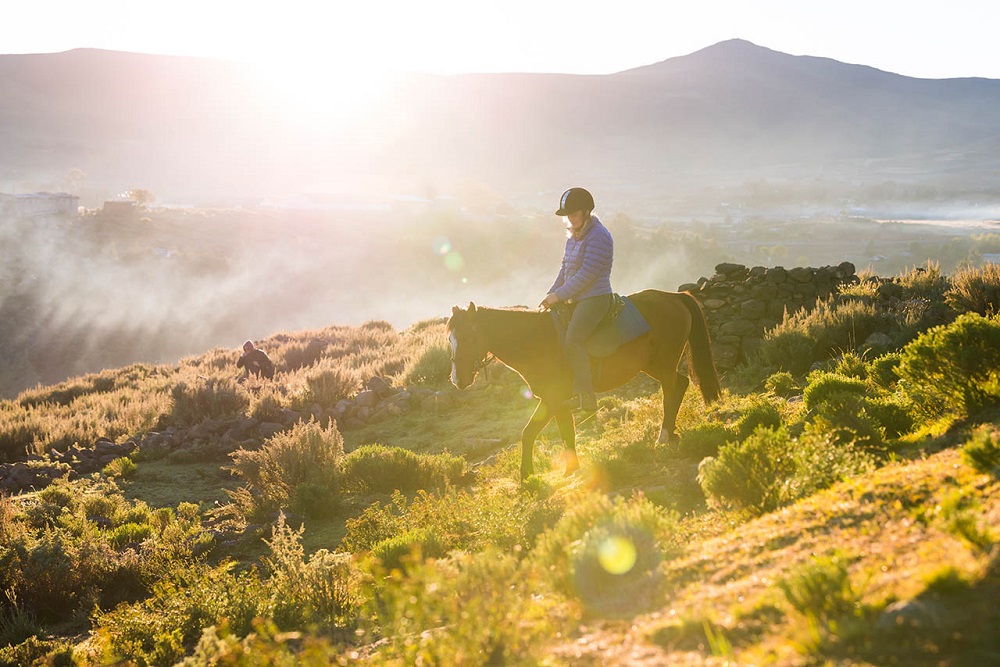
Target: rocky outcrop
<point>741,303</point>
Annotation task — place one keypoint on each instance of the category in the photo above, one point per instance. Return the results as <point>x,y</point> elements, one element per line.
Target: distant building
<point>39,204</point>
<point>119,209</point>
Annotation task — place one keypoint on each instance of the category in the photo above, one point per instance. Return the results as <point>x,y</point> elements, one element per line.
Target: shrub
<point>952,370</point>
<point>752,474</point>
<point>781,383</point>
<point>268,406</point>
<point>704,440</point>
<point>487,608</point>
<point>982,451</point>
<point>300,355</point>
<point>325,385</point>
<point>306,454</point>
<point>211,398</point>
<point>850,364</point>
<point>810,335</point>
<point>822,459</point>
<point>787,348</point>
<point>884,370</point>
<point>975,290</point>
<point>497,515</point>
<point>378,469</point>
<point>323,590</point>
<point>606,553</point>
<point>123,467</point>
<point>833,391</point>
<point>161,629</point>
<point>759,412</point>
<point>413,545</point>
<point>822,590</point>
<point>432,367</point>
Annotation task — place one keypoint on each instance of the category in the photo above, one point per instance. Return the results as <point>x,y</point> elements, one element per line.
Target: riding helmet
<point>575,199</point>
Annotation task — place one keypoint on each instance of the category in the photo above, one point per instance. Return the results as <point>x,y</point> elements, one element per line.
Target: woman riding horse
<point>585,280</point>
<point>528,342</point>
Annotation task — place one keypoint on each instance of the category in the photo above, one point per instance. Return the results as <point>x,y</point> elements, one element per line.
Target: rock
<point>776,275</point>
<point>380,386</point>
<point>366,399</point>
<point>753,309</point>
<point>800,274</point>
<point>713,304</point>
<point>739,328</point>
<point>909,615</point>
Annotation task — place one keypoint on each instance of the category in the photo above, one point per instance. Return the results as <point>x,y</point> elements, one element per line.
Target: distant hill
<point>198,130</point>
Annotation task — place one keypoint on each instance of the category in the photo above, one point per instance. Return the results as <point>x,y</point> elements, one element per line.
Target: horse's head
<point>468,346</point>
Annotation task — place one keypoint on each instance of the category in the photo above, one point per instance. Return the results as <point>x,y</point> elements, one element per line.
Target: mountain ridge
<point>197,129</point>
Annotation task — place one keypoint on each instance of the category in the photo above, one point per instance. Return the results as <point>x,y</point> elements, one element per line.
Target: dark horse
<point>526,341</point>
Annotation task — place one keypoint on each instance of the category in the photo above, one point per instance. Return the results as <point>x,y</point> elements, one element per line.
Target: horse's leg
<point>541,417</point>
<point>673,393</point>
<point>567,429</point>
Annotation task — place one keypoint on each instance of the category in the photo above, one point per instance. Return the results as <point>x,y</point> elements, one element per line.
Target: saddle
<point>622,323</point>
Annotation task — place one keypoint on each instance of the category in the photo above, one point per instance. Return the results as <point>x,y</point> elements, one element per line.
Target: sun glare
<point>320,94</point>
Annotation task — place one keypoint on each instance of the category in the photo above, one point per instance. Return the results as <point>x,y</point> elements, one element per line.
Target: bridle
<point>487,358</point>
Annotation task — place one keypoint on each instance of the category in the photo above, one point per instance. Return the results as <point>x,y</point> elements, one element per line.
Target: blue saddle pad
<point>613,333</point>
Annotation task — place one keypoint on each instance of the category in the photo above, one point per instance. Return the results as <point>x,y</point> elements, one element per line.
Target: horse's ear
<point>472,307</point>
<point>455,310</point>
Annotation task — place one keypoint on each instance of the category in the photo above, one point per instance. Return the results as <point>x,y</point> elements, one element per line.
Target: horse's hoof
<point>668,439</point>
<point>572,464</point>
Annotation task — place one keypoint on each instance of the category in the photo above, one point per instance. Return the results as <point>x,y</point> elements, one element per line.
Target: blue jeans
<point>588,314</point>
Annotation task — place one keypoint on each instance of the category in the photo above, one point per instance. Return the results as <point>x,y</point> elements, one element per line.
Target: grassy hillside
<point>359,509</point>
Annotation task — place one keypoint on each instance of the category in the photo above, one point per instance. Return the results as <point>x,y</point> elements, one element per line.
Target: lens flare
<point>442,246</point>
<point>617,554</point>
<point>453,261</point>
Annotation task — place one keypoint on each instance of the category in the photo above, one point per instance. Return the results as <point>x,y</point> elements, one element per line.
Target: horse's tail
<point>702,362</point>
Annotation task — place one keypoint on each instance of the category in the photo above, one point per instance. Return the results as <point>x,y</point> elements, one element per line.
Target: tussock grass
<point>823,505</point>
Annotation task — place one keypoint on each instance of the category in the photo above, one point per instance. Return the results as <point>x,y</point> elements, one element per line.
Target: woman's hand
<point>550,300</point>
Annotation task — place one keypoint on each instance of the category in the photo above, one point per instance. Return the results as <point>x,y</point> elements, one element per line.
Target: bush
<point>760,412</point>
<point>323,590</point>
<point>833,391</point>
<point>212,398</point>
<point>272,475</point>
<point>781,383</point>
<point>975,290</point>
<point>952,370</point>
<point>161,629</point>
<point>432,367</point>
<point>982,451</point>
<point>606,553</point>
<point>811,335</point>
<point>413,545</point>
<point>822,590</point>
<point>487,608</point>
<point>123,467</point>
<point>378,469</point>
<point>822,460</point>
<point>704,440</point>
<point>752,474</point>
<point>884,370</point>
<point>326,386</point>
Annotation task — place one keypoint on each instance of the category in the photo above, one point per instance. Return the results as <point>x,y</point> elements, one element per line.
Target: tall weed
<point>975,290</point>
<point>303,461</point>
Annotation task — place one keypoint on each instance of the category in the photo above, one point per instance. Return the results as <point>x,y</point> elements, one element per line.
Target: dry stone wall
<point>742,303</point>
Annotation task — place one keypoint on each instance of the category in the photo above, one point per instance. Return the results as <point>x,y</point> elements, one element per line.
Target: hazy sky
<point>930,40</point>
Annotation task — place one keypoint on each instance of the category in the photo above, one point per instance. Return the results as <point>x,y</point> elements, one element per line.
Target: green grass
<point>626,557</point>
